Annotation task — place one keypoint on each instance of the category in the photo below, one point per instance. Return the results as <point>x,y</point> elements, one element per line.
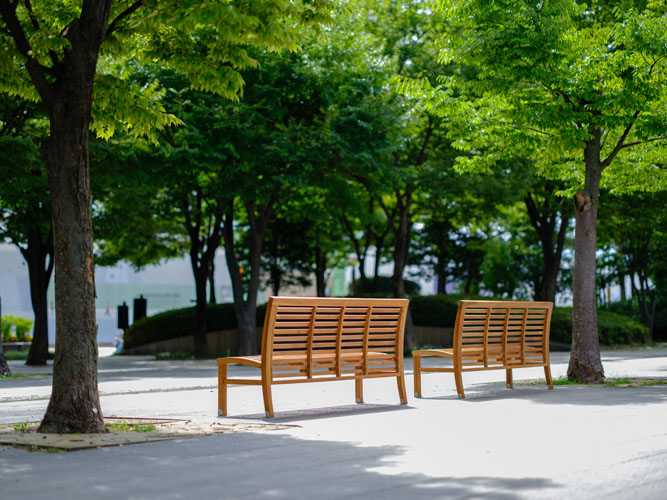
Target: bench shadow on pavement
<point>560,395</point>
<point>325,412</point>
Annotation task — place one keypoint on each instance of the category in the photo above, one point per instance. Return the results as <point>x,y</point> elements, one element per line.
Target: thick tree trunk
<point>67,93</point>
<point>585,363</point>
<point>39,271</point>
<point>75,403</point>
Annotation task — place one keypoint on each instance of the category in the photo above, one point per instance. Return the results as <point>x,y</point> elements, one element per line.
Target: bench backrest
<point>502,333</point>
<point>321,336</point>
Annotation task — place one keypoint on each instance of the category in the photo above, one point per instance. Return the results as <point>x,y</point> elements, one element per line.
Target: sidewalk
<point>526,443</point>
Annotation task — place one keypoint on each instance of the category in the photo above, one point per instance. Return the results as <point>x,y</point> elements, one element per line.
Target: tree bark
<point>320,266</point>
<point>39,256</point>
<point>75,404</point>
<point>402,234</point>
<point>544,219</point>
<point>245,303</point>
<point>202,253</point>
<point>211,283</point>
<point>201,311</point>
<point>585,364</point>
<point>4,366</point>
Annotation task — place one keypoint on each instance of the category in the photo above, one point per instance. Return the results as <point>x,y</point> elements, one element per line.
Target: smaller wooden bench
<point>494,335</point>
<point>316,339</point>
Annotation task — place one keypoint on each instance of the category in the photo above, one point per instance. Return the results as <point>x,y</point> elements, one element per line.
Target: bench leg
<point>508,379</point>
<point>222,390</point>
<point>266,393</point>
<point>359,390</point>
<point>459,383</point>
<point>547,375</point>
<point>401,389</point>
<point>416,364</point>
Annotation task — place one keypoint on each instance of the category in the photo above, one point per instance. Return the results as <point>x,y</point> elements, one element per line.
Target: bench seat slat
<point>494,335</point>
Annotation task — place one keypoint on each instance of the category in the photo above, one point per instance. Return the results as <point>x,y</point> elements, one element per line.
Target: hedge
<point>180,323</point>
<point>613,329</point>
<point>427,310</point>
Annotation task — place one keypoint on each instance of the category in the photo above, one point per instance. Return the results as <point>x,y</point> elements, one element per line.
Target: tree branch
<point>619,144</point>
<point>115,24</point>
<point>37,71</point>
<point>635,143</point>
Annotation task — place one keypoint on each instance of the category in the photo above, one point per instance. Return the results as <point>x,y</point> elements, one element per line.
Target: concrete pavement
<point>572,442</point>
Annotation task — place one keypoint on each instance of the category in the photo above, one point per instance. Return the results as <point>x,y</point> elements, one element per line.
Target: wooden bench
<point>315,339</point>
<point>494,335</point>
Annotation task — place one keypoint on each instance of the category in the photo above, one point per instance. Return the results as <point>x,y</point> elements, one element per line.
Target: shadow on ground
<point>257,466</point>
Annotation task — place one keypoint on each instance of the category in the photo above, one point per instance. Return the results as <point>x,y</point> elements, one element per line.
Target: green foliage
<point>613,329</point>
<point>384,288</point>
<point>16,328</point>
<point>427,310</point>
<point>181,323</point>
<point>437,310</point>
<point>209,43</point>
<point>538,78</point>
<point>130,427</point>
<point>22,426</point>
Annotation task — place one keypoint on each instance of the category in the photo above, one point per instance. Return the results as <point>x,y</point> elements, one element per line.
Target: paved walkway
<point>527,443</point>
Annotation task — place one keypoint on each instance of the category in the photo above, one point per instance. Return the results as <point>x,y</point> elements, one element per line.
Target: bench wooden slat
<point>494,335</point>
<point>308,339</point>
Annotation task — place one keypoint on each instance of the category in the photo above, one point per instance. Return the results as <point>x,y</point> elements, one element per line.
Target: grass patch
<point>40,375</point>
<point>21,355</point>
<point>129,427</point>
<point>168,356</point>
<point>22,426</point>
<point>176,356</point>
<point>608,382</point>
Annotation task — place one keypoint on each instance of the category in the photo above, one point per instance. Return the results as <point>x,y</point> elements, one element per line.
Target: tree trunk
<point>276,278</point>
<point>402,233</point>
<point>543,220</point>
<point>246,317</point>
<point>4,366</point>
<point>245,305</point>
<point>320,267</point>
<point>67,94</point>
<point>39,271</point>
<point>75,403</point>
<point>201,309</point>
<point>585,363</point>
<point>211,284</point>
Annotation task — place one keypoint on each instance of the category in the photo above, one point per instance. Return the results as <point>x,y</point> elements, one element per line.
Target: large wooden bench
<point>315,339</point>
<point>494,335</point>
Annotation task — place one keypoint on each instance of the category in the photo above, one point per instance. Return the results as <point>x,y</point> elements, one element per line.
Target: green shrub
<point>385,288</point>
<point>437,310</point>
<point>613,328</point>
<point>427,310</point>
<point>181,322</point>
<point>440,310</point>
<point>16,328</point>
